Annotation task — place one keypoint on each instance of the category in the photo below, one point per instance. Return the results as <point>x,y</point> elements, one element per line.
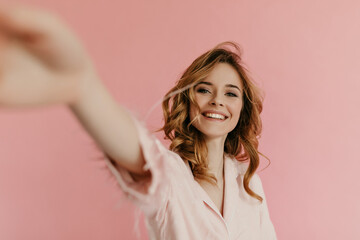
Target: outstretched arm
<point>43,63</point>
<point>110,125</point>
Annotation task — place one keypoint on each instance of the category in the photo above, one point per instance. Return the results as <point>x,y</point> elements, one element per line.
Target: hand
<point>41,60</point>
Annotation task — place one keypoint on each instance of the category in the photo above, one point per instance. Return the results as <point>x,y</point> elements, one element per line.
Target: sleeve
<point>266,225</point>
<point>149,195</point>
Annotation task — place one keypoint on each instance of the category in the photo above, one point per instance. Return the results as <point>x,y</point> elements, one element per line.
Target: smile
<point>215,116</point>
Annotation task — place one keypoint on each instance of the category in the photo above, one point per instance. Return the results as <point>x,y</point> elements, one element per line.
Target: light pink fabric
<point>176,207</point>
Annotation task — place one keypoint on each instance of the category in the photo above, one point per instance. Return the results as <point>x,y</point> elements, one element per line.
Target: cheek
<point>237,110</point>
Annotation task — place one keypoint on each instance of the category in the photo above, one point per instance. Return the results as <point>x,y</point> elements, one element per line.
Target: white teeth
<point>215,115</point>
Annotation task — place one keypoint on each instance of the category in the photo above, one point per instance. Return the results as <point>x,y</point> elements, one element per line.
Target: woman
<point>205,186</point>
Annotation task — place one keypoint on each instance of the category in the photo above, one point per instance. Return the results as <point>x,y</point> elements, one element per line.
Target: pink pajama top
<point>177,208</point>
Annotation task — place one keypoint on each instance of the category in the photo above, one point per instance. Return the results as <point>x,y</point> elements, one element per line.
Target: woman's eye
<point>231,94</point>
<point>203,90</point>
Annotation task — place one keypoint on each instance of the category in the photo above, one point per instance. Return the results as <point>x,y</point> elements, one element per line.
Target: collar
<point>232,169</point>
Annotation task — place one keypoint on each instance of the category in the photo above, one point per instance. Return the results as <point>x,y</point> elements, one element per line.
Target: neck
<point>215,156</point>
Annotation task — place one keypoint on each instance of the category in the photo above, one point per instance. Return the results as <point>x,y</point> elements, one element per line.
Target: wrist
<point>85,86</point>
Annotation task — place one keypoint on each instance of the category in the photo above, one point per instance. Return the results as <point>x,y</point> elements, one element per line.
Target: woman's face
<point>219,98</point>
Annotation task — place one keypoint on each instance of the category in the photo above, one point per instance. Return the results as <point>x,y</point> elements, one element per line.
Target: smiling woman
<point>214,127</point>
<point>205,185</point>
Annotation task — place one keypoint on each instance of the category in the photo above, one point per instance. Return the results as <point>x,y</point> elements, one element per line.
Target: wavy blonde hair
<point>188,142</point>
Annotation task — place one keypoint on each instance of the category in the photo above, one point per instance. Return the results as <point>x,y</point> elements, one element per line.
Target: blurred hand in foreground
<point>41,60</point>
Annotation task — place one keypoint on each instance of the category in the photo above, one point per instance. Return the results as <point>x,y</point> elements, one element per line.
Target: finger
<point>23,21</point>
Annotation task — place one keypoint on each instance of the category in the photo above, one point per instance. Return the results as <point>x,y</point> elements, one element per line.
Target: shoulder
<point>240,167</point>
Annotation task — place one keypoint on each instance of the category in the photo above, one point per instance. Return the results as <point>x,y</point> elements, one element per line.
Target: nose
<point>216,101</point>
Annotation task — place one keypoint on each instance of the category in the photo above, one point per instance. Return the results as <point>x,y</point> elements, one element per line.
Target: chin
<point>208,134</point>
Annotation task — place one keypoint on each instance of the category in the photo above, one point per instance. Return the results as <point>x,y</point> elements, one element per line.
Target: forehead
<point>223,74</point>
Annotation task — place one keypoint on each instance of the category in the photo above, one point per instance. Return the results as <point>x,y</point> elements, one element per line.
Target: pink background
<point>304,54</point>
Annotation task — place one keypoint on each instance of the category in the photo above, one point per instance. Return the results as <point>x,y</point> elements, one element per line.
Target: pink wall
<point>306,56</point>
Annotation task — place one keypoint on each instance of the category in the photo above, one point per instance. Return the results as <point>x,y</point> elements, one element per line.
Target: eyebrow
<point>227,85</point>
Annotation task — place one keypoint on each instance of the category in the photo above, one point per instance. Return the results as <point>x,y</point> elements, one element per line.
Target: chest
<point>216,194</point>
